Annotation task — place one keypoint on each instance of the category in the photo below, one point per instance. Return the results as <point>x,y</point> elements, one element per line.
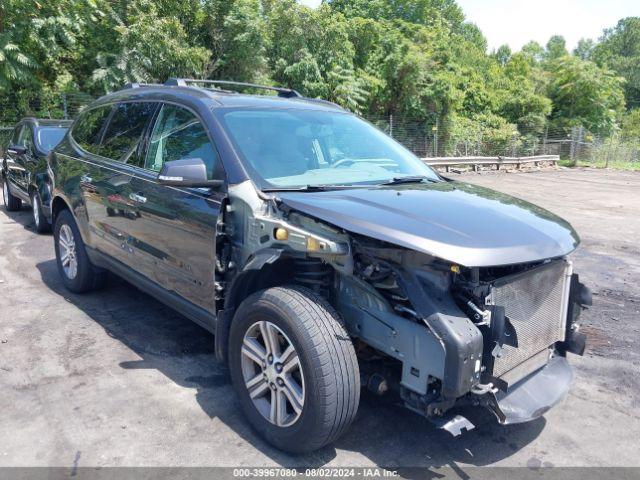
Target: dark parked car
<point>24,168</point>
<point>322,254</point>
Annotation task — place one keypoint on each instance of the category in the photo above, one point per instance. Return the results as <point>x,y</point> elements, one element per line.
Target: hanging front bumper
<point>534,395</point>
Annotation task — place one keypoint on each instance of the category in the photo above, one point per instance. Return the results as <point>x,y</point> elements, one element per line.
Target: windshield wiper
<point>408,179</point>
<point>308,188</point>
<point>317,188</point>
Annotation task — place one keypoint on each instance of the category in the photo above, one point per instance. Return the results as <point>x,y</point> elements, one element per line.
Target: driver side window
<point>178,134</point>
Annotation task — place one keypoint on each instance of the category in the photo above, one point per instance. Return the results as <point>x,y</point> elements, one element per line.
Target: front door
<point>19,164</point>
<point>176,227</point>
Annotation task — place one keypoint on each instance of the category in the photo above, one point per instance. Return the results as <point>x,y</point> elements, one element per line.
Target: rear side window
<point>26,138</point>
<point>87,130</point>
<point>124,133</point>
<point>16,134</point>
<point>49,137</point>
<point>178,134</point>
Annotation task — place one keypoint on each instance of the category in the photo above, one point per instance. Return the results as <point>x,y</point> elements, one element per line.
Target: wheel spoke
<point>270,337</point>
<point>293,393</point>
<point>252,349</point>
<point>288,354</point>
<point>64,259</point>
<point>278,412</point>
<point>73,268</point>
<point>291,363</point>
<point>257,386</point>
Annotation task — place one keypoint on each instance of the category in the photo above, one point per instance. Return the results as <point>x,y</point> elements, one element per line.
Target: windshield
<point>300,148</point>
<point>49,137</point>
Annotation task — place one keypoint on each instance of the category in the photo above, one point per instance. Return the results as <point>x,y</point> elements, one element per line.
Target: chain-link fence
<point>573,145</point>
<point>424,138</point>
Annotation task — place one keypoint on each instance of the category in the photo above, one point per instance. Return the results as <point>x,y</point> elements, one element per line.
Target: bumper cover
<point>534,395</point>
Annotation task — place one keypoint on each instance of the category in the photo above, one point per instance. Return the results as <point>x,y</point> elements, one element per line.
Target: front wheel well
<point>311,273</point>
<point>57,206</point>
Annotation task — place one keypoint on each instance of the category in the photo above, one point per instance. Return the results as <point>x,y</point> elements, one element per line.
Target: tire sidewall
<point>11,203</point>
<point>257,308</point>
<point>42,225</point>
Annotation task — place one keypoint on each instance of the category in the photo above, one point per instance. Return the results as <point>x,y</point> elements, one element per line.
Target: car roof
<point>215,97</point>
<point>46,122</point>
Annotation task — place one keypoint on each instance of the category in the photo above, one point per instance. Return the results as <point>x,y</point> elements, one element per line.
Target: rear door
<point>176,227</point>
<point>114,154</point>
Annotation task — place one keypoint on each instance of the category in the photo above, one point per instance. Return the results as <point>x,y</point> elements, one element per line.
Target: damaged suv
<point>323,255</point>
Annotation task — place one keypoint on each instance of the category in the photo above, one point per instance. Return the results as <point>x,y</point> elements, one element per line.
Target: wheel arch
<point>58,204</point>
<point>276,269</point>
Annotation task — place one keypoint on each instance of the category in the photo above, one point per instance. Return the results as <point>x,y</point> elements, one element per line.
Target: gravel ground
<point>114,378</point>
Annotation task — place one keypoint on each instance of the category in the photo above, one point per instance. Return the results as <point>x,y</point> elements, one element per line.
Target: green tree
<point>584,49</point>
<point>556,48</point>
<point>16,68</point>
<point>236,36</point>
<point>503,54</point>
<point>630,126</point>
<point>413,11</point>
<point>619,50</point>
<point>147,48</point>
<point>533,51</point>
<point>584,94</point>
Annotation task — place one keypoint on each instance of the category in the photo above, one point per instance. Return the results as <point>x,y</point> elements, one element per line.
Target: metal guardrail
<point>476,162</point>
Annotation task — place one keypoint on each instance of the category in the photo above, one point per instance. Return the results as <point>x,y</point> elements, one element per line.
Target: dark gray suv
<point>323,255</point>
<point>24,167</point>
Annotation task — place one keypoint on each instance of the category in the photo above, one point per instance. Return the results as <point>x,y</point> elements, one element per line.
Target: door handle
<point>136,197</point>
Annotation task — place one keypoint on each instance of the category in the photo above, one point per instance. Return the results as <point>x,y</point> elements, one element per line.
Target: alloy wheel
<point>68,258</point>
<point>5,192</point>
<point>273,374</point>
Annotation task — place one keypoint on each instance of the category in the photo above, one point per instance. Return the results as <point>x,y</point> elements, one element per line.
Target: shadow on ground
<point>23,217</point>
<point>386,434</point>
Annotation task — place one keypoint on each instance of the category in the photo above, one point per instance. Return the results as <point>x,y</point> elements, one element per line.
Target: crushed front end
<point>491,336</point>
<point>433,332</point>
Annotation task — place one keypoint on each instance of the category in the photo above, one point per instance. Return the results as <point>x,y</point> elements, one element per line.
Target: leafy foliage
<point>584,94</point>
<point>413,59</point>
<point>619,50</point>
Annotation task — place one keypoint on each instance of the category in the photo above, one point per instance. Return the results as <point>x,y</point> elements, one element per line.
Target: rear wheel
<point>294,368</point>
<point>39,220</point>
<point>78,273</point>
<point>11,203</point>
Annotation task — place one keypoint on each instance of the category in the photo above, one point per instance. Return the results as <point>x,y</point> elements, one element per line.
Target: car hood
<point>465,224</point>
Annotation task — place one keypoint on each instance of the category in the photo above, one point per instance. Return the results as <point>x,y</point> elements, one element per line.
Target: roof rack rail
<point>282,92</point>
<point>139,85</point>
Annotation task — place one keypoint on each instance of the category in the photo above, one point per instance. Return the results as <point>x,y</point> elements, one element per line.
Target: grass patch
<point>633,166</point>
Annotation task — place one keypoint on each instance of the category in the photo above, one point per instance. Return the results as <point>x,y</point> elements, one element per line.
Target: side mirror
<point>188,172</point>
<point>18,150</point>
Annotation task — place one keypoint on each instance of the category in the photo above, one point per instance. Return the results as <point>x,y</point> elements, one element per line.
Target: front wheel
<point>294,368</point>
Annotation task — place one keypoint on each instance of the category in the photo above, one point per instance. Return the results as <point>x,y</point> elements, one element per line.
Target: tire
<point>40,222</point>
<point>84,276</point>
<point>11,203</point>
<point>326,370</point>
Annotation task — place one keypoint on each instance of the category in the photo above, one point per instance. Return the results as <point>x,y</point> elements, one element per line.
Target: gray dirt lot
<point>116,378</point>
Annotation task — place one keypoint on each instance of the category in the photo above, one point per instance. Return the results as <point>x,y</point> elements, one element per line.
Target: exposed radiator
<point>536,304</point>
